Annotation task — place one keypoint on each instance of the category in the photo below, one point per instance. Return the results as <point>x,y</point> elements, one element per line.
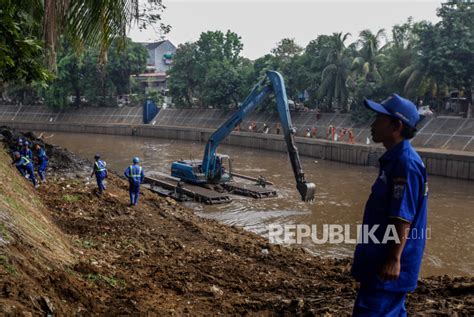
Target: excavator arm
<point>257,95</point>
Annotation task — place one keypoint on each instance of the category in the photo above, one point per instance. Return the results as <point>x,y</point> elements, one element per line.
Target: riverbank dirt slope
<point>67,251</point>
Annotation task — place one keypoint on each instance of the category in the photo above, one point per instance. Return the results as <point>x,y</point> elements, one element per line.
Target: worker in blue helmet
<point>135,175</point>
<point>19,145</point>
<point>26,151</point>
<point>42,160</point>
<point>100,171</point>
<point>25,167</point>
<point>388,256</point>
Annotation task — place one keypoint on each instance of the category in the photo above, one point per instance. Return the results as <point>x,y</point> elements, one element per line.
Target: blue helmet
<point>16,154</point>
<point>26,143</point>
<point>97,156</point>
<point>136,159</point>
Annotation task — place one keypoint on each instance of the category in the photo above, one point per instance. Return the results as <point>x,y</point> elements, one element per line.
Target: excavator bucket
<point>307,191</point>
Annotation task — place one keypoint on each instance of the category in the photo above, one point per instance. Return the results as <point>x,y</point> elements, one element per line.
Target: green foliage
<point>71,198</point>
<point>110,280</point>
<point>81,79</point>
<point>418,60</point>
<point>6,264</point>
<point>21,52</point>
<point>447,48</point>
<point>32,30</point>
<point>334,77</point>
<point>209,72</point>
<point>221,85</point>
<point>124,62</point>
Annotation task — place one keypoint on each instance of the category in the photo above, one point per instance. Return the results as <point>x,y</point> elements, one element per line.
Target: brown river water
<point>341,193</point>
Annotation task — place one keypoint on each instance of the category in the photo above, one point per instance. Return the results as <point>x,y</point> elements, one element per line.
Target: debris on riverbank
<point>67,251</point>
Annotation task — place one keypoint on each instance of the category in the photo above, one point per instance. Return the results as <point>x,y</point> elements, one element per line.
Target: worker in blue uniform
<point>388,266</point>
<point>19,145</point>
<point>26,151</point>
<point>100,171</point>
<point>25,167</point>
<point>135,175</point>
<point>42,160</point>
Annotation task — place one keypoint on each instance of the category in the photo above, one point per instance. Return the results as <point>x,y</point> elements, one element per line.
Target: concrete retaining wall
<point>455,164</point>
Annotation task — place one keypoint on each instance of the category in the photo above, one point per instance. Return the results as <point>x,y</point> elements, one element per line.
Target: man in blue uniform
<point>26,151</point>
<point>135,175</point>
<point>19,145</point>
<point>395,212</point>
<point>100,171</point>
<point>25,167</point>
<point>42,162</point>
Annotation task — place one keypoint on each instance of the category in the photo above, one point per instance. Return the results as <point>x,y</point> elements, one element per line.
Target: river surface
<point>342,191</point>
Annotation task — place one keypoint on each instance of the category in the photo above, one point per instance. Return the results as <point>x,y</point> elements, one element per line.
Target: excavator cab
<point>222,170</point>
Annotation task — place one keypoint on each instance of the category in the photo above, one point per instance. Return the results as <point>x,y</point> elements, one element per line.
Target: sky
<point>263,23</point>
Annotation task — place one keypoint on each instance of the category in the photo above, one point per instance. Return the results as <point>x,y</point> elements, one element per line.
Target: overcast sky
<point>263,23</point>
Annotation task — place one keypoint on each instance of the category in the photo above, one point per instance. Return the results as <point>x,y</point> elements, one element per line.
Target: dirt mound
<point>160,258</point>
<point>61,160</point>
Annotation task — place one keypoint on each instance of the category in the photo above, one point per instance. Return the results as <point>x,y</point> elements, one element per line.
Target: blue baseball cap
<point>397,107</point>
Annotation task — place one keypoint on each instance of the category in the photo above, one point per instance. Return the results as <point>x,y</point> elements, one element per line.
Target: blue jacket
<point>135,174</point>
<point>400,191</point>
<point>23,163</point>
<point>100,169</point>
<point>27,152</point>
<point>42,157</point>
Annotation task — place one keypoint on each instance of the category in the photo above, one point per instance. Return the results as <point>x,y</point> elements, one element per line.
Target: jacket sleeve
<point>406,186</point>
<point>126,173</point>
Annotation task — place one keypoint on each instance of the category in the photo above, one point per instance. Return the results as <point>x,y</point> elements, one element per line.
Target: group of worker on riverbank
<point>331,134</point>
<point>25,162</point>
<point>28,161</point>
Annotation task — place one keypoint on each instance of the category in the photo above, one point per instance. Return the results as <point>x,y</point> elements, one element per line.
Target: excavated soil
<point>159,258</point>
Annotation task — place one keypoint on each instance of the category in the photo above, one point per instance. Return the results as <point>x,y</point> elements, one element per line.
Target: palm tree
<point>90,22</point>
<point>336,72</point>
<point>370,56</point>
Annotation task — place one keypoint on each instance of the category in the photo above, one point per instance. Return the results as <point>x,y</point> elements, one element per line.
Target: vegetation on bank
<point>53,49</point>
<point>418,59</point>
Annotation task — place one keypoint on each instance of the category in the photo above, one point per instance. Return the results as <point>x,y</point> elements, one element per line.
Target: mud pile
<point>159,258</point>
<point>61,160</point>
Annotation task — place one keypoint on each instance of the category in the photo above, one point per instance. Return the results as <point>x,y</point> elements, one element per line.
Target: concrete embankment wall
<point>457,164</point>
<point>447,133</point>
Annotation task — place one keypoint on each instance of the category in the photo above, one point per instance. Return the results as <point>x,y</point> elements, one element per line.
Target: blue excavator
<point>211,170</point>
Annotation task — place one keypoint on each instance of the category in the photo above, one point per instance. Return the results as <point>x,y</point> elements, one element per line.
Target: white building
<point>160,59</point>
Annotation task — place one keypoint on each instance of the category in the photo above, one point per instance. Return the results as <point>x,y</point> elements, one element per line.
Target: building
<point>160,59</point>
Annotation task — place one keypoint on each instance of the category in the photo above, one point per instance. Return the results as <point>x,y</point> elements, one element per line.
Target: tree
<point>448,50</point>
<point>286,49</point>
<point>21,52</point>
<point>31,31</point>
<point>124,62</point>
<point>80,77</point>
<point>198,66</point>
<point>221,86</point>
<point>215,45</point>
<point>336,72</point>
<point>370,57</point>
<point>183,75</point>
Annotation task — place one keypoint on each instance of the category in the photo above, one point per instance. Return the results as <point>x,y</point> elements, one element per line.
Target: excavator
<point>211,170</point>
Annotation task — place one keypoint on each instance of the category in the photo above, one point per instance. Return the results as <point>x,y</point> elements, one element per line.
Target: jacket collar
<point>394,151</point>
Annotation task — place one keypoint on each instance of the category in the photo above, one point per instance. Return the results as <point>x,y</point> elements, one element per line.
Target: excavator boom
<point>210,169</point>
